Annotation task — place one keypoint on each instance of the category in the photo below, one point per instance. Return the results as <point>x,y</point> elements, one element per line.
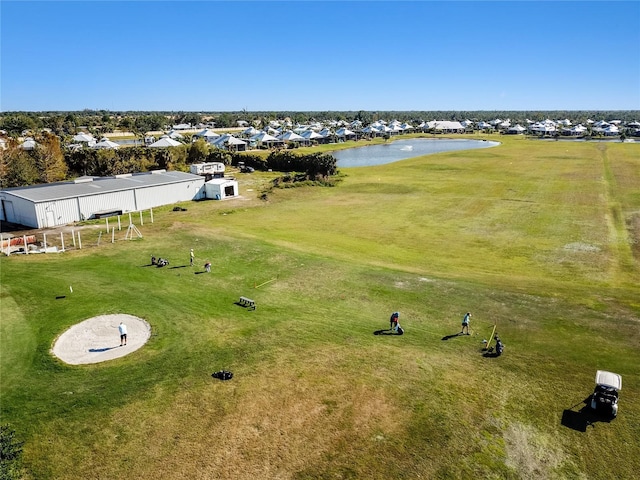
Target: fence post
<point>45,242</point>
<point>141,221</point>
<point>113,235</point>
<point>107,220</point>
<point>73,237</point>
<point>119,226</point>
<point>151,212</point>
<point>24,239</point>
<point>79,240</point>
<point>62,240</point>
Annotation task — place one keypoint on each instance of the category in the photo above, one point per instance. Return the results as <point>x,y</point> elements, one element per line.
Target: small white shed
<point>221,188</point>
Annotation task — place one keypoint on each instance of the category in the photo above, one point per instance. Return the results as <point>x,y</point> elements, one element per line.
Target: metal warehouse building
<point>49,205</point>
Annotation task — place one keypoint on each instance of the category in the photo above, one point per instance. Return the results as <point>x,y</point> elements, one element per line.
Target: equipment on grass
<point>605,396</point>
<point>222,375</point>
<point>400,330</point>
<point>488,344</point>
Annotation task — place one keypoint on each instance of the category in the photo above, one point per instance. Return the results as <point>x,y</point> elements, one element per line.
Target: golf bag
<point>222,375</point>
<point>399,330</point>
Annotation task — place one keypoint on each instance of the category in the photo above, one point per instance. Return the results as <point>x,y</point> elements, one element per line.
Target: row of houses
<point>279,134</point>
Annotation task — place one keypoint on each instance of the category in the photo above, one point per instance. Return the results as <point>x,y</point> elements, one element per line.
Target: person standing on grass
<point>191,257</point>
<point>207,267</point>
<point>122,328</point>
<point>465,323</point>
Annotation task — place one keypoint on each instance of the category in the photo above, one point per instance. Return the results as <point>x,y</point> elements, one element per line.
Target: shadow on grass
<point>386,331</point>
<point>581,419</point>
<point>198,273</point>
<point>459,334</point>
<point>178,266</point>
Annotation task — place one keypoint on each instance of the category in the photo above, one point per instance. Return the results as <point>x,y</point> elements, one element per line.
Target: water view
<point>402,149</point>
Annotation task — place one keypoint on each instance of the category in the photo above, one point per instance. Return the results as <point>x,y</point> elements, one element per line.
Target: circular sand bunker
<point>98,339</point>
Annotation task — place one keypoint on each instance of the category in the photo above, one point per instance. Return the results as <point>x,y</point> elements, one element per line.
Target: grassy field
<point>542,238</point>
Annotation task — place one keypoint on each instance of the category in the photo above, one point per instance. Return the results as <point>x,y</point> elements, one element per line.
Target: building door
<point>9,214</point>
<point>51,219</point>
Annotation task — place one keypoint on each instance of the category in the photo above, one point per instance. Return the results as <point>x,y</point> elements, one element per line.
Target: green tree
<point>198,152</point>
<point>17,168</point>
<point>49,159</point>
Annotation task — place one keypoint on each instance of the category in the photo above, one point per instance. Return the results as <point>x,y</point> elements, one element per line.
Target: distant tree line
<point>99,122</point>
<point>49,163</point>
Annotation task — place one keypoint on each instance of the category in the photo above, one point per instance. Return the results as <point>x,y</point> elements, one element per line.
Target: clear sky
<point>319,55</point>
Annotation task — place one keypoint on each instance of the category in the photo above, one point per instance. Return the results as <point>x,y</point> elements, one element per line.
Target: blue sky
<point>319,55</point>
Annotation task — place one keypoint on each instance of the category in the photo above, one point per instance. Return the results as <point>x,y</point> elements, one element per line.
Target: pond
<point>403,149</point>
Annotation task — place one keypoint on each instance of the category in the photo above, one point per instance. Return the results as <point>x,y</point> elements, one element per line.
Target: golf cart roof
<point>609,379</point>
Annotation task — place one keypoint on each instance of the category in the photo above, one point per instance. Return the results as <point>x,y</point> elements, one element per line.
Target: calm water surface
<point>402,149</point>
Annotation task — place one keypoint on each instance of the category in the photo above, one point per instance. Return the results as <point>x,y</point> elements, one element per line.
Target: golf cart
<point>604,400</point>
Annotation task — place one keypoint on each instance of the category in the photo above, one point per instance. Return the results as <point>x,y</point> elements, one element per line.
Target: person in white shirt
<point>122,328</point>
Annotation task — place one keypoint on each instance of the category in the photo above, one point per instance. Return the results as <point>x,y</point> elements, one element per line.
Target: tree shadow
<point>459,334</point>
<point>581,419</point>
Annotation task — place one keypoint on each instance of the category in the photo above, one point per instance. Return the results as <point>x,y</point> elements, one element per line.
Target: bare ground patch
<point>530,452</point>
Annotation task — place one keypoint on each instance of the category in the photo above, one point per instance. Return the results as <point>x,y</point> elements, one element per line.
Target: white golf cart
<point>604,400</point>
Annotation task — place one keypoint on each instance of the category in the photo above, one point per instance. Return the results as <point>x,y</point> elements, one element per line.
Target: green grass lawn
<point>541,238</point>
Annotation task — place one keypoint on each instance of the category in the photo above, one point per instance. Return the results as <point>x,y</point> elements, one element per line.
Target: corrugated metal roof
<point>99,185</point>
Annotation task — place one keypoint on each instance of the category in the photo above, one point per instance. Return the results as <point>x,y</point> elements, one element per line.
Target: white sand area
<point>98,339</point>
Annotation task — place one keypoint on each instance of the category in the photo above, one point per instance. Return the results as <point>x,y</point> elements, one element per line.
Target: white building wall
<point>58,212</point>
<point>18,210</point>
<point>123,200</point>
<point>155,196</point>
<point>216,189</point>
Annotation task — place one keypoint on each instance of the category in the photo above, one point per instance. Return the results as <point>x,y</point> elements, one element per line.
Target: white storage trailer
<point>214,169</point>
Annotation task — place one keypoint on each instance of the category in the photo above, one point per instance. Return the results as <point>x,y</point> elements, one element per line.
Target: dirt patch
<point>531,453</point>
<point>581,247</point>
<point>97,339</point>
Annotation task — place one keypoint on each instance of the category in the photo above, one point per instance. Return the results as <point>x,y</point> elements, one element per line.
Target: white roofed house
<point>517,129</point>
<point>230,143</point>
<point>264,140</point>
<point>345,134</point>
<point>29,144</point>
<point>207,135</point>
<point>165,142</point>
<point>290,137</point>
<point>445,126</point>
<point>106,144</point>
<point>84,139</point>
